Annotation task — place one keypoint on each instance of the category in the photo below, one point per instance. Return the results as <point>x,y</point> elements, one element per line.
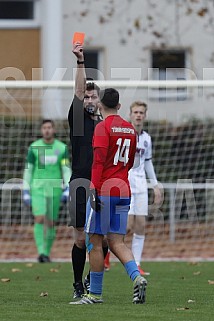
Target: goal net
<point>182,227</point>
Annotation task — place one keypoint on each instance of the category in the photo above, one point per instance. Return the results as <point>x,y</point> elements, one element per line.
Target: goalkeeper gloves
<point>95,201</point>
<point>27,197</point>
<point>65,195</point>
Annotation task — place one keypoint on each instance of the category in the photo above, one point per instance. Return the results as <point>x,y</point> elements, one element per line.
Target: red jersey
<point>114,145</point>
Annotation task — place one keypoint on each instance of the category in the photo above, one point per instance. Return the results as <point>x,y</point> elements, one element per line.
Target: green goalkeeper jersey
<point>47,166</point>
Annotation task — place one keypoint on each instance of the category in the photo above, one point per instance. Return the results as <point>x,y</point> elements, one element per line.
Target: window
<point>16,9</point>
<point>169,65</point>
<point>19,14</point>
<point>92,63</point>
<point>164,59</point>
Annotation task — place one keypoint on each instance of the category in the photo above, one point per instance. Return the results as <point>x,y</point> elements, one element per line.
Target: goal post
<point>182,227</point>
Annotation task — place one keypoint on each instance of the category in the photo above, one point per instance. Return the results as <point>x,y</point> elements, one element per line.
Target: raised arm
<point>80,81</point>
<point>76,111</point>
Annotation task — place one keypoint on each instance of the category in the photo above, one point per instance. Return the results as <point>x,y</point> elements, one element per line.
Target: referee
<point>82,120</point>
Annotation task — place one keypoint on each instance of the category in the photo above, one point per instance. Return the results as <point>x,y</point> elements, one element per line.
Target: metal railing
<point>176,192</point>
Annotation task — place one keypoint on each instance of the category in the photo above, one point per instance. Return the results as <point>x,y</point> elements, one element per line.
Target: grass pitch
<point>170,287</point>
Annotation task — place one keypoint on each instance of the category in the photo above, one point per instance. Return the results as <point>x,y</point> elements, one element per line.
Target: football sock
<point>132,269</point>
<point>39,237</point>
<point>107,259</point>
<point>137,247</point>
<point>96,283</point>
<point>105,252</point>
<point>78,261</point>
<point>49,239</point>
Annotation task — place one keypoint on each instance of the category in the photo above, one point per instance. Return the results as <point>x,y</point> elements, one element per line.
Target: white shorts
<point>139,204</point>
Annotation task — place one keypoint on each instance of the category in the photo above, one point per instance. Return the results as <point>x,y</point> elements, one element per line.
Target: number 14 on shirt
<point>122,154</point>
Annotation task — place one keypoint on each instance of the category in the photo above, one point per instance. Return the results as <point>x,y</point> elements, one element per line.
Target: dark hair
<point>92,86</point>
<point>48,121</point>
<point>109,97</point>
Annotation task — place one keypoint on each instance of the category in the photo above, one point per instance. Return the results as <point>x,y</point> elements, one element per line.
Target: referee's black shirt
<point>81,135</point>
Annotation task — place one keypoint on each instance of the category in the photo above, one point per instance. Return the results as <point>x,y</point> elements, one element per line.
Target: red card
<point>79,37</point>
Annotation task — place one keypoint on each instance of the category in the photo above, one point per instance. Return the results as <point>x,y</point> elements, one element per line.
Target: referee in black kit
<point>82,120</point>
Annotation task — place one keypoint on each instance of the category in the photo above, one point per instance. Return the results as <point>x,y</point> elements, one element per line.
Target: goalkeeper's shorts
<point>111,219</point>
<point>46,205</point>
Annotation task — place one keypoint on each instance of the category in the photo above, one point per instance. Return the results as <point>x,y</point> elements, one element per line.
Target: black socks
<point>78,261</point>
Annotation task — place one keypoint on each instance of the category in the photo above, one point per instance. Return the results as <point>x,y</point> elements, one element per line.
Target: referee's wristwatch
<point>80,62</point>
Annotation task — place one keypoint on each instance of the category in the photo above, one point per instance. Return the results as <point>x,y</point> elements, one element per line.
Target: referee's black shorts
<point>78,197</point>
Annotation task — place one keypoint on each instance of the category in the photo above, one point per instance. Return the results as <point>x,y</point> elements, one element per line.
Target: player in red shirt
<point>114,145</point>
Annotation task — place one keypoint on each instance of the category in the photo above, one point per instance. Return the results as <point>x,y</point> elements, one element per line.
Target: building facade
<point>125,40</point>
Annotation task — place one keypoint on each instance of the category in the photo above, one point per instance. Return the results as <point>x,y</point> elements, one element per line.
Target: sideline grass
<point>170,287</point>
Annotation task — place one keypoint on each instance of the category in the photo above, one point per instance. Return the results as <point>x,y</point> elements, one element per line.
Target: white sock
<point>137,247</point>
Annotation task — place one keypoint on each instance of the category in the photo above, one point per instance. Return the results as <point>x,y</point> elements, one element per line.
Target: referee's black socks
<point>78,261</point>
<point>105,251</point>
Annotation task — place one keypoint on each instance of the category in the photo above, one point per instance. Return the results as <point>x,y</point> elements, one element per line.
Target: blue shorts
<point>111,219</point>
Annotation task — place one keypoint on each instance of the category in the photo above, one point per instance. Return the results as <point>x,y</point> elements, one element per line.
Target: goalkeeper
<point>47,171</point>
